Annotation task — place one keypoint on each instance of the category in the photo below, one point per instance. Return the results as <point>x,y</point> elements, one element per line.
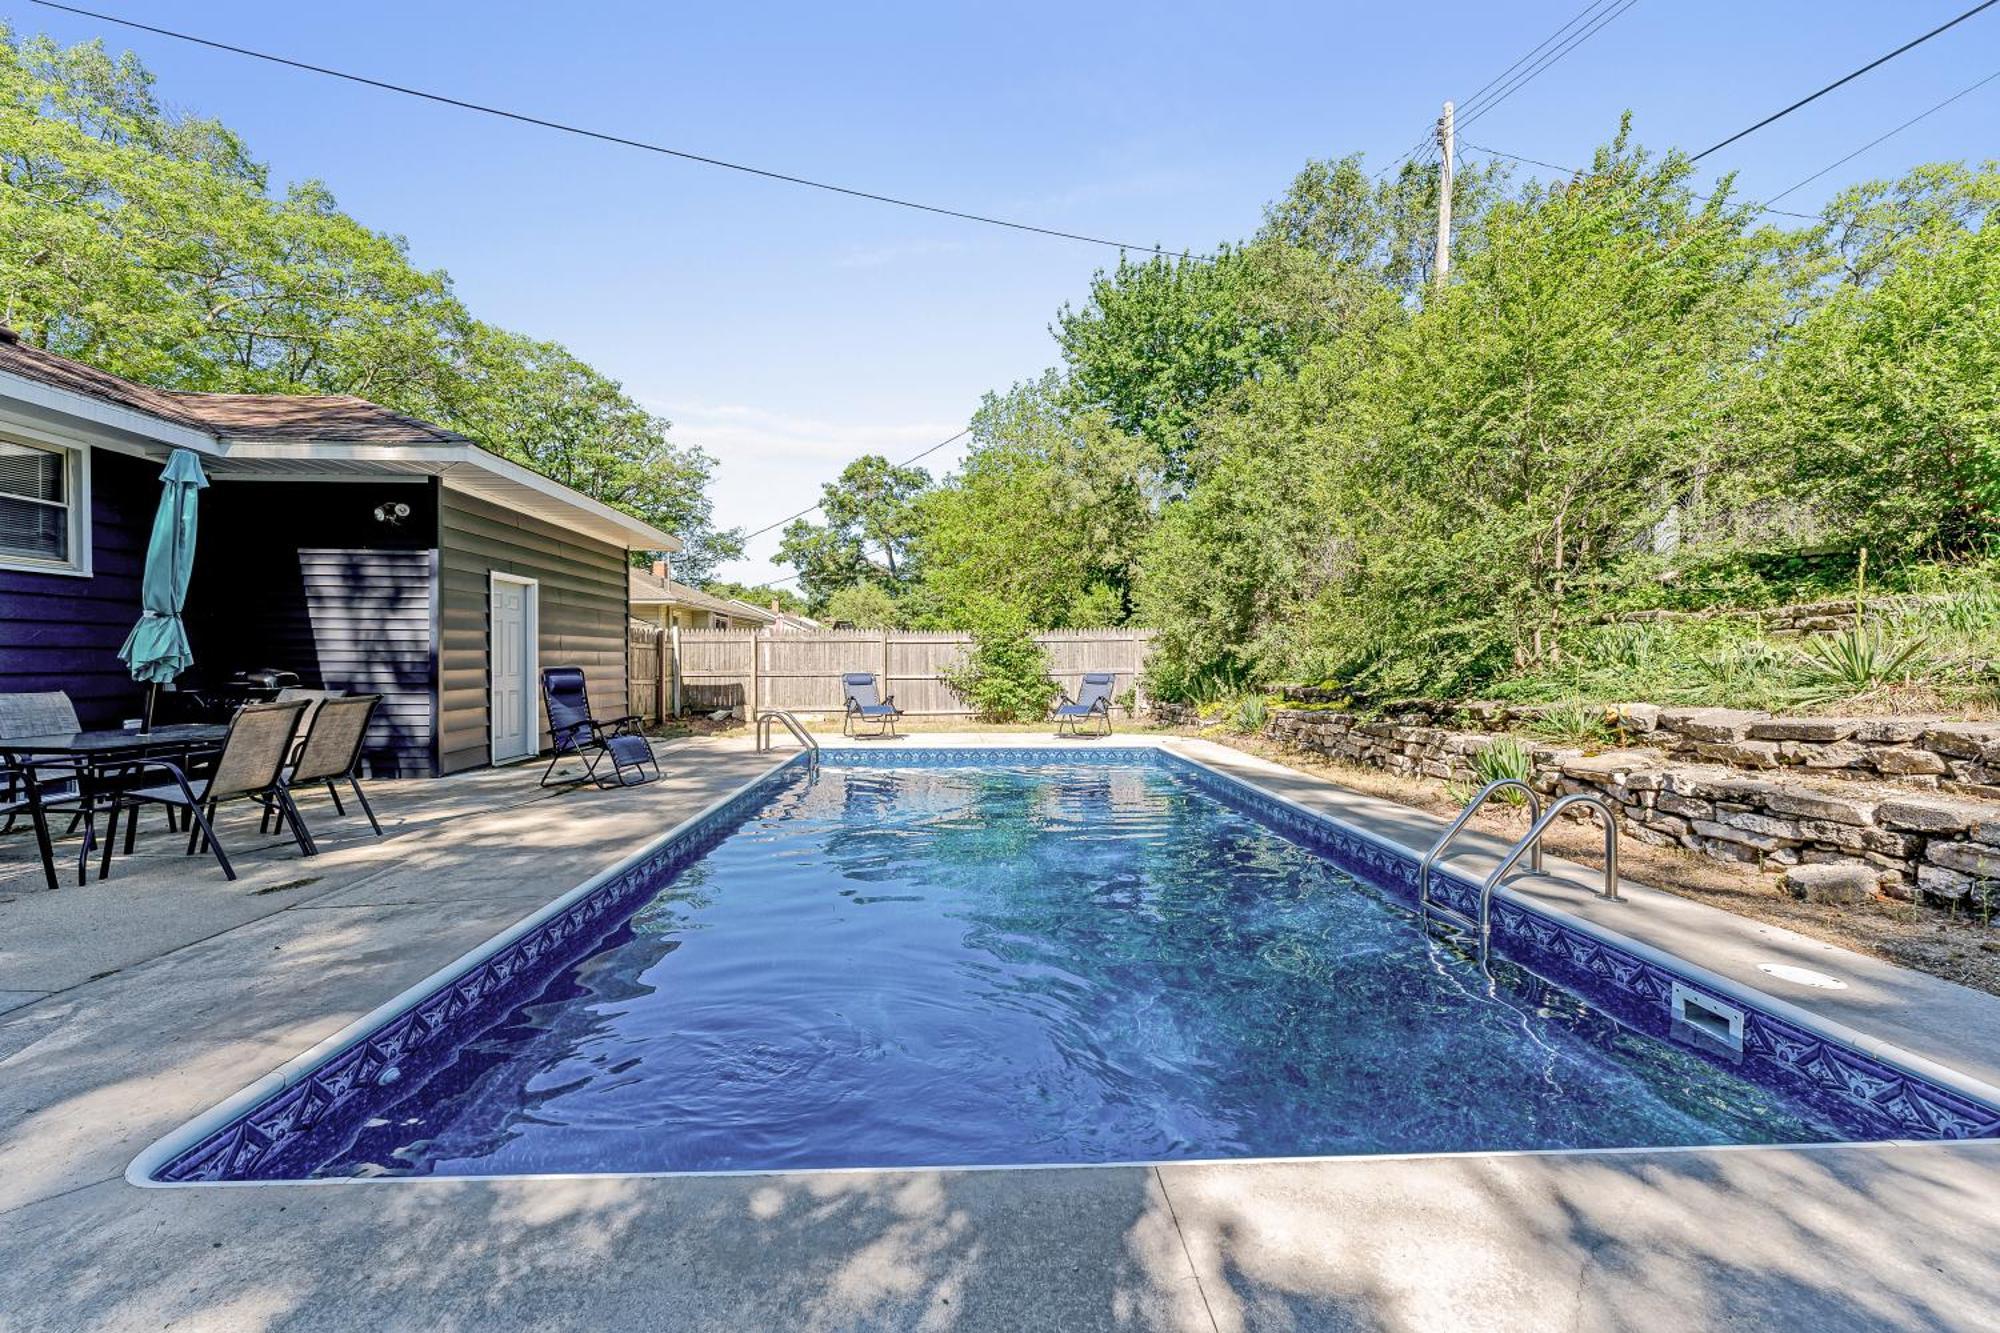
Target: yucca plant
<point>1504,757</point>
<point>1251,711</point>
<point>1572,720</point>
<point>1854,661</point>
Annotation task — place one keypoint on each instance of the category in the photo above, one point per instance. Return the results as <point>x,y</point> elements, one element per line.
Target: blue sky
<point>788,331</point>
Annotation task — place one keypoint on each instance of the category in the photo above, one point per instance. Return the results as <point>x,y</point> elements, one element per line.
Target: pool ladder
<point>1530,845</point>
<point>792,724</point>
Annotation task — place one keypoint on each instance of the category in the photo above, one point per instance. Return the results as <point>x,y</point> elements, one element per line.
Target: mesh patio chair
<point>331,753</point>
<point>37,788</point>
<point>864,703</point>
<point>250,764</point>
<point>313,698</point>
<point>1092,705</point>
<point>575,734</point>
<point>41,713</point>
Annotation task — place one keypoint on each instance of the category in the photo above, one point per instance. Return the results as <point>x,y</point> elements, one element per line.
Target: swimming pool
<point>928,957</point>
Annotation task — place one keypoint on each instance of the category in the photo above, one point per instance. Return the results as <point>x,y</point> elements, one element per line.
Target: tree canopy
<point>151,243</point>
<point>1300,457</point>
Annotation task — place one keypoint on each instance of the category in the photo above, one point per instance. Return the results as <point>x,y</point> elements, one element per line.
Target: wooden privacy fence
<point>706,670</point>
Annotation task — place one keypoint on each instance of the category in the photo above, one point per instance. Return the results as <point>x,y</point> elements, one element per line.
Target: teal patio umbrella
<point>157,649</point>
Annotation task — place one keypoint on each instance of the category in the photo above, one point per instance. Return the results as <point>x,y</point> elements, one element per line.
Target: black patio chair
<point>864,703</point>
<point>250,764</point>
<point>574,733</point>
<point>331,753</point>
<point>1092,705</point>
<point>55,785</point>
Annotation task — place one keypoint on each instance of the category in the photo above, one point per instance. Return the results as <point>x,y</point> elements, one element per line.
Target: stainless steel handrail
<point>1606,814</point>
<point>792,724</point>
<point>1464,816</point>
<point>1530,843</point>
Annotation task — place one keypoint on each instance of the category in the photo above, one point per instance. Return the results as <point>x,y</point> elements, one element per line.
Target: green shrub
<point>1574,721</point>
<point>1250,713</point>
<point>1854,661</point>
<point>864,606</point>
<point>1504,757</point>
<point>1005,678</point>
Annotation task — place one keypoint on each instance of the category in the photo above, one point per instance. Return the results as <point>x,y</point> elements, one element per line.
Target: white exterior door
<point>512,657</point>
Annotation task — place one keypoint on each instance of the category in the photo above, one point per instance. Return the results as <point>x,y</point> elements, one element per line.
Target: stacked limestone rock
<point>1890,831</point>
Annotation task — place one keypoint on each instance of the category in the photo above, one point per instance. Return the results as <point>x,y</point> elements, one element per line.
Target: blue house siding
<point>60,632</point>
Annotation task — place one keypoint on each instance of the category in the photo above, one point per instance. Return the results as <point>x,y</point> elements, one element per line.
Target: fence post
<point>756,675</point>
<point>674,637</point>
<point>659,675</point>
<point>888,690</point>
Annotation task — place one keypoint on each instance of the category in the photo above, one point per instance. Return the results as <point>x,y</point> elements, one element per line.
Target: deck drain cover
<point>1803,976</point>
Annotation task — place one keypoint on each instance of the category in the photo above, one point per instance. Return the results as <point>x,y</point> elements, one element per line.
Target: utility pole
<point>1442,268</point>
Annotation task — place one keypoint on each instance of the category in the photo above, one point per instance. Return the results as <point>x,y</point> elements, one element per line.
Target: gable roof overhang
<point>120,423</point>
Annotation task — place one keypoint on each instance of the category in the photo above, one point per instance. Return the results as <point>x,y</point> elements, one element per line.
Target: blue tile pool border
<point>280,1125</point>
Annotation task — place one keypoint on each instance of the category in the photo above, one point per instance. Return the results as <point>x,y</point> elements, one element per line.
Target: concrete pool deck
<point>129,1006</point>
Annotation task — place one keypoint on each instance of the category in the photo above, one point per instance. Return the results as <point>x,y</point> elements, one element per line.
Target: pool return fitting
<point>1530,844</point>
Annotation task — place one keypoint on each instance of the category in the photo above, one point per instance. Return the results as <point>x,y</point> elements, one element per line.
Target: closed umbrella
<point>157,649</point>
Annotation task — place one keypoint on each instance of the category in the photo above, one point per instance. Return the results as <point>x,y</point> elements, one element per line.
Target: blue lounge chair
<point>1092,704</point>
<point>864,703</point>
<point>573,732</point>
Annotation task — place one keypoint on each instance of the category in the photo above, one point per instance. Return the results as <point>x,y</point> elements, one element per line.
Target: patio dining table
<point>94,751</point>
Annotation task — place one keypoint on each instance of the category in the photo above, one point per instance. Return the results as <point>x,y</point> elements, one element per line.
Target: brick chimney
<point>660,570</point>
<point>777,607</point>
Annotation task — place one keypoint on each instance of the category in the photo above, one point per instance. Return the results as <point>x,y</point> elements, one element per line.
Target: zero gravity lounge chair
<point>1091,706</point>
<point>864,703</point>
<point>574,733</point>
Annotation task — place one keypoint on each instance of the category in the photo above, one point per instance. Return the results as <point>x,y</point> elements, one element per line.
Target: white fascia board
<point>95,421</point>
<point>462,465</point>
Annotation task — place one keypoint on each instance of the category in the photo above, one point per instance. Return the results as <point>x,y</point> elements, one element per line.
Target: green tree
<point>1005,676</point>
<point>870,515</point>
<point>1046,514</point>
<point>150,243</point>
<point>762,594</point>
<point>864,606</point>
<point>536,403</point>
<point>1887,398</point>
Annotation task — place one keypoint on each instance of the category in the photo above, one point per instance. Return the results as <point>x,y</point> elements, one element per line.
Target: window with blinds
<point>35,520</point>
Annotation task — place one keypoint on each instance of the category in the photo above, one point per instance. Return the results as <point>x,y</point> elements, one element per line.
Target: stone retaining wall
<point>1908,845</point>
<point>1785,621</point>
<point>1961,758</point>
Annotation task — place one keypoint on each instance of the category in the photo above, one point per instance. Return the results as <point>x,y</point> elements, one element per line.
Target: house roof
<point>763,615</point>
<point>303,435</point>
<point>649,591</point>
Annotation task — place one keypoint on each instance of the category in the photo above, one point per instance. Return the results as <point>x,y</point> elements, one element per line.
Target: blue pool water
<point>934,966</point>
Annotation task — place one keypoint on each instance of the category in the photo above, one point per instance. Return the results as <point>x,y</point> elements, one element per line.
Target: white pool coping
<point>171,1145</point>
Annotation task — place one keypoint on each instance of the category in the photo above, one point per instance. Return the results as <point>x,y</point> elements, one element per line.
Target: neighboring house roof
<point>763,615</point>
<point>278,435</point>
<point>650,591</point>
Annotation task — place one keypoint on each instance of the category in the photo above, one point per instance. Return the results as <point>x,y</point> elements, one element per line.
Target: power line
<point>1530,75</point>
<point>1845,78</point>
<point>601,136</point>
<point>1890,135</point>
<point>914,458</point>
<point>1421,151</point>
<point>1577,171</point>
<point>1473,100</point>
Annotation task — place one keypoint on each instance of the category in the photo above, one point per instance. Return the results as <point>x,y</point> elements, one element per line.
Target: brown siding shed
<point>582,611</point>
